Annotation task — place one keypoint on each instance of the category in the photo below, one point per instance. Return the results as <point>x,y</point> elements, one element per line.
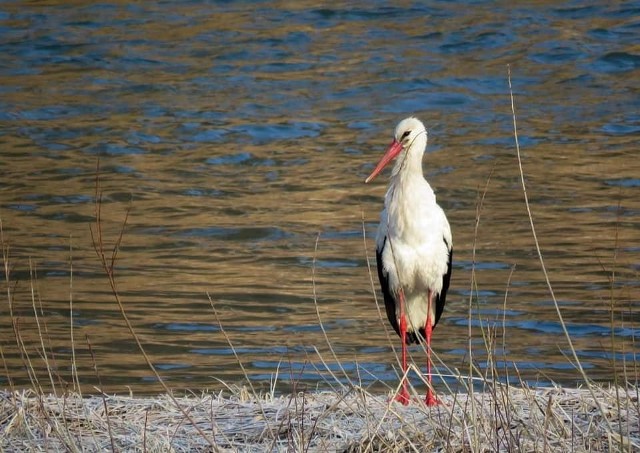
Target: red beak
<point>394,149</point>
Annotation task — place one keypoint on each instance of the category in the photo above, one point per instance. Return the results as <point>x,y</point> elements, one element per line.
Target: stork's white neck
<point>409,163</point>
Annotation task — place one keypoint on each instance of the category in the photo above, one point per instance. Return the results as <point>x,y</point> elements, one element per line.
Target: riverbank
<point>504,419</point>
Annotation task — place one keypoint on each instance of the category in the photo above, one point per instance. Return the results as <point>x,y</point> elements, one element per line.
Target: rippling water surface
<point>238,132</point>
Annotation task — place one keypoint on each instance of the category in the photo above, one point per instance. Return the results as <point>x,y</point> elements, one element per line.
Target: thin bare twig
<point>104,399</point>
<point>541,259</point>
<point>315,303</point>
<point>108,266</point>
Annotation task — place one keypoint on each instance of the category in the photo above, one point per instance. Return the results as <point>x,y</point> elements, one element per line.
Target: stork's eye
<point>405,135</point>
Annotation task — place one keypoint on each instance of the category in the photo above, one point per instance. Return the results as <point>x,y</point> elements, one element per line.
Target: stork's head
<point>410,134</point>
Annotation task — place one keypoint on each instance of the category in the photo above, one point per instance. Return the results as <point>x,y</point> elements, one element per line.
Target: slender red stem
<point>403,396</point>
<point>430,399</point>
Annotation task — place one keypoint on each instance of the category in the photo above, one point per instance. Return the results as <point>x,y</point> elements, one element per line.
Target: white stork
<point>413,247</point>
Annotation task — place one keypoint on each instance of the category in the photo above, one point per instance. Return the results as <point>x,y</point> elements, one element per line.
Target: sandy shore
<point>506,419</point>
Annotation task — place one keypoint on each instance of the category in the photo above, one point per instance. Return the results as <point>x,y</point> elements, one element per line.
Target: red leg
<point>403,396</point>
<point>430,399</point>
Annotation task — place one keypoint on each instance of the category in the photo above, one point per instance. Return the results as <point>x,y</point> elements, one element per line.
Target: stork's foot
<point>403,397</point>
<point>430,399</point>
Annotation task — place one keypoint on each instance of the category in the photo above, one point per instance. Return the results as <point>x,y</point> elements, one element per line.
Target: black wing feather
<point>389,300</point>
<point>446,279</point>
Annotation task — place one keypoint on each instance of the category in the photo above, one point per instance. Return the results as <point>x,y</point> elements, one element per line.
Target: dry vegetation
<point>486,416</point>
<point>504,419</point>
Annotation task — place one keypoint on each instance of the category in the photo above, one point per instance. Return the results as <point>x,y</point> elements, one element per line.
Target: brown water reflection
<point>236,137</point>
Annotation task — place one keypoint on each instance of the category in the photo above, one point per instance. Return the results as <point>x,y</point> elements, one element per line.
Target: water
<point>239,135</point>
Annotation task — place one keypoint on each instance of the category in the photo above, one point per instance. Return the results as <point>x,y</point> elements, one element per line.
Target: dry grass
<point>509,419</point>
<point>497,417</point>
